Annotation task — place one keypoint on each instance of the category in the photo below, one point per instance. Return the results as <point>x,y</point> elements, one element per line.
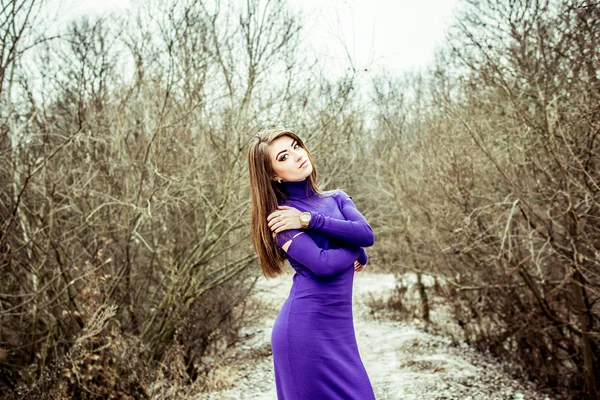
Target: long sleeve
<point>321,262</point>
<point>353,230</point>
<point>363,257</point>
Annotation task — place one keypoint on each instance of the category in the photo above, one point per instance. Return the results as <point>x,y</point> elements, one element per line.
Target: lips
<point>302,165</point>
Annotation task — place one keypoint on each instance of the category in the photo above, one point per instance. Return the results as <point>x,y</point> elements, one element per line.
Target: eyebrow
<point>277,156</point>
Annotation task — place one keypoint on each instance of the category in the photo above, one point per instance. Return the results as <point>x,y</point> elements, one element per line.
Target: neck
<point>297,190</point>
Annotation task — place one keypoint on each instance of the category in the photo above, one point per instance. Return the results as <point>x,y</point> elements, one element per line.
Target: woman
<point>322,234</point>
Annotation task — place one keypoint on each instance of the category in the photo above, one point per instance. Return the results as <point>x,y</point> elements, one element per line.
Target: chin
<point>307,172</point>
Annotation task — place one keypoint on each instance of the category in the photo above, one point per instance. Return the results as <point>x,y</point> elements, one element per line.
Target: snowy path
<point>402,361</point>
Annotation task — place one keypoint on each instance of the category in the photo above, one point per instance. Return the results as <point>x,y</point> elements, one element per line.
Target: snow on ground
<point>402,360</point>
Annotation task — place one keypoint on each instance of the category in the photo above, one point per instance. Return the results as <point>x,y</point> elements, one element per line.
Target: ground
<point>403,360</point>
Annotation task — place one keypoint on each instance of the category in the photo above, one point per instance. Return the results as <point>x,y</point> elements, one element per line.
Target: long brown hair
<point>265,195</point>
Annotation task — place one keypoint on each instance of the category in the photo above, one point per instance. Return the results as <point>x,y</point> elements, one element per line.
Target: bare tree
<point>505,155</point>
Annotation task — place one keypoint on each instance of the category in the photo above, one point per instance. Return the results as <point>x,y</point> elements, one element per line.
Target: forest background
<point>124,236</point>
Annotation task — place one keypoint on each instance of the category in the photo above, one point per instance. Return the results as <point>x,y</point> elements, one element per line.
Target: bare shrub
<point>121,142</point>
<point>495,188</point>
<point>212,325</point>
<point>128,190</point>
<point>396,303</point>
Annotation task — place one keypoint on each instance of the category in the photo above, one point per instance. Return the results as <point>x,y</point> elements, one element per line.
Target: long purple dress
<point>314,346</point>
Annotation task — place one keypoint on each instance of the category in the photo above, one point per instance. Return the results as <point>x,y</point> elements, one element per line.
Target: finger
<point>274,214</point>
<point>277,225</point>
<point>274,219</point>
<point>273,222</point>
<point>281,228</point>
<point>284,207</point>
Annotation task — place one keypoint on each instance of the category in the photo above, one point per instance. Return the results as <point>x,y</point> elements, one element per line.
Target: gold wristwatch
<point>305,219</point>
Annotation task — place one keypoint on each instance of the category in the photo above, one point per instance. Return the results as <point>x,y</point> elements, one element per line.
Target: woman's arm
<point>363,258</point>
<point>353,230</point>
<point>302,248</point>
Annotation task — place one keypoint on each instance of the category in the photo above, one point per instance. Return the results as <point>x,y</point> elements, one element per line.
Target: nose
<point>298,154</point>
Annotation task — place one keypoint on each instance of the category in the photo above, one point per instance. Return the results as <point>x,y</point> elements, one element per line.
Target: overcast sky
<point>398,35</point>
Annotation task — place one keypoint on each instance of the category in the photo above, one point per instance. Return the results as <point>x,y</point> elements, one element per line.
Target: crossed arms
<point>353,230</point>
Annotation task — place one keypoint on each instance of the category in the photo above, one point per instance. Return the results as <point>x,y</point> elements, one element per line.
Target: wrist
<point>305,219</point>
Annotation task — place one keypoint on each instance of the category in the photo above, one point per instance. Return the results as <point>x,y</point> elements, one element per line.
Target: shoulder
<point>336,193</point>
<point>328,193</point>
<point>342,196</point>
<point>339,196</point>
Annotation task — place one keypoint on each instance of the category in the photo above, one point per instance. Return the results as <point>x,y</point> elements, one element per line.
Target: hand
<point>284,218</point>
<point>358,266</point>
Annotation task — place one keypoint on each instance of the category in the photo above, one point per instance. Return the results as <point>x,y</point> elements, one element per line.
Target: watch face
<point>304,217</point>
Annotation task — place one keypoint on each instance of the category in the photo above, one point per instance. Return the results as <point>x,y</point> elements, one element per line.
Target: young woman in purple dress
<point>323,236</point>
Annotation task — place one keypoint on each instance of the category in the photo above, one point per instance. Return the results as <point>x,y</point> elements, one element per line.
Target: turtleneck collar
<point>297,190</point>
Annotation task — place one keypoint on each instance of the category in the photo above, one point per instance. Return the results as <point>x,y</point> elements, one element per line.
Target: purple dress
<point>314,347</point>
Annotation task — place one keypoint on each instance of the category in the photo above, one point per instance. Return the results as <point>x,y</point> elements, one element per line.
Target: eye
<point>284,157</point>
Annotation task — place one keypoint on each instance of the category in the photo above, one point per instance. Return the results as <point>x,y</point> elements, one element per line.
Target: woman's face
<point>289,160</point>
